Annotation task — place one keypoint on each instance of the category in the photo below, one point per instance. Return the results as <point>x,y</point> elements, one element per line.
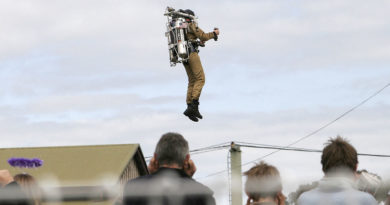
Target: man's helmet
<point>190,12</point>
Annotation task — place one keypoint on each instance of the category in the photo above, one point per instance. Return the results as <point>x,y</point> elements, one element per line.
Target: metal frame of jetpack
<point>177,28</point>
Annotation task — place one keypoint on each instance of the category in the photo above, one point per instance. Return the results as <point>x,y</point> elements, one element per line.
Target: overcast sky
<point>97,72</point>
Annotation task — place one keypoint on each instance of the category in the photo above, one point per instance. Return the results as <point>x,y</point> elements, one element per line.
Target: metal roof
<point>91,165</point>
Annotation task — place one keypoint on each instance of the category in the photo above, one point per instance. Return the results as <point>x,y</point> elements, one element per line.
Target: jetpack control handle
<point>215,35</point>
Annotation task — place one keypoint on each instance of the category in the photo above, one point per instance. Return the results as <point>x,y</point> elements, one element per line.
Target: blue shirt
<point>336,191</point>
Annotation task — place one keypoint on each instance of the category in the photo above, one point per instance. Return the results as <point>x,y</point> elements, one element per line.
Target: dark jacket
<point>167,187</point>
<point>12,194</point>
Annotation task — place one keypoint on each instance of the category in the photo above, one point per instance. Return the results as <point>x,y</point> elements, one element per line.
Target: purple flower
<point>37,162</point>
<point>25,163</point>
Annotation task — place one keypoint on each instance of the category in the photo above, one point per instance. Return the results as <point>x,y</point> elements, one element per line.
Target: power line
<point>264,146</point>
<point>281,148</point>
<point>312,133</point>
<point>196,153</point>
<point>211,150</point>
<point>278,148</point>
<point>217,146</point>
<point>325,126</point>
<point>203,150</point>
<point>304,150</point>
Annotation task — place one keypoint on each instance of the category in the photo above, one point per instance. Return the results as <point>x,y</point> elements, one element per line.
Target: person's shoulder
<point>365,198</point>
<point>197,192</point>
<point>153,178</point>
<point>141,178</point>
<point>308,197</point>
<point>137,187</point>
<point>198,187</point>
<point>138,181</point>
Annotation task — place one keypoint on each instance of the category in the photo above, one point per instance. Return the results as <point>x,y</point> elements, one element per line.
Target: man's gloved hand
<point>216,33</point>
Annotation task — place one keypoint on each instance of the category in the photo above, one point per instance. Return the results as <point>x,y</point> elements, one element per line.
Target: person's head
<point>30,187</point>
<point>172,149</point>
<point>190,12</point>
<point>338,155</point>
<point>263,181</point>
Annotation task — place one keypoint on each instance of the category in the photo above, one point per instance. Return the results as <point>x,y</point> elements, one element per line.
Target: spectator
<point>29,187</point>
<point>339,164</point>
<point>263,185</point>
<point>170,181</point>
<point>10,192</point>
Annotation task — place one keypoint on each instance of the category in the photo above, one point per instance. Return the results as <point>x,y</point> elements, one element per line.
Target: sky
<point>97,72</point>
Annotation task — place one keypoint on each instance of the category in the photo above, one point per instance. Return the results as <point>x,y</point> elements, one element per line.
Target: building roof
<point>77,165</point>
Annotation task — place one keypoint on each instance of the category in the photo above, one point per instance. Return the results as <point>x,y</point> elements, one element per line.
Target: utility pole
<point>236,177</point>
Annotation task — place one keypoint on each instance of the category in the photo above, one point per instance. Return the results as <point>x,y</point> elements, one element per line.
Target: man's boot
<point>195,106</point>
<point>189,112</point>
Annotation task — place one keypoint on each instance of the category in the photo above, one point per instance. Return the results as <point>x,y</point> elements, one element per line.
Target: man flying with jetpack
<point>190,60</point>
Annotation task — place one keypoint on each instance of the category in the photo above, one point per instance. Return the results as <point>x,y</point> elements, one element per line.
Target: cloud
<point>305,35</point>
<point>111,35</point>
<point>98,72</point>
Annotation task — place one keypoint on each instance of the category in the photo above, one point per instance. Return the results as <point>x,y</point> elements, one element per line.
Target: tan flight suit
<point>194,69</point>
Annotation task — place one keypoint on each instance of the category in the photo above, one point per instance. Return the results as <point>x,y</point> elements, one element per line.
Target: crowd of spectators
<point>171,169</point>
<point>170,181</point>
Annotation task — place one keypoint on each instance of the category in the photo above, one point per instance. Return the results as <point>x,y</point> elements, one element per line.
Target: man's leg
<point>191,82</point>
<point>197,70</point>
<point>189,112</point>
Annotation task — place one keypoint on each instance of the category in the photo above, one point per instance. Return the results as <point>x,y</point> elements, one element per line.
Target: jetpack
<point>177,28</point>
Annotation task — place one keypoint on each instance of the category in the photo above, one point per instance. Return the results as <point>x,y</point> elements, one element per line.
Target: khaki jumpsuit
<point>194,69</point>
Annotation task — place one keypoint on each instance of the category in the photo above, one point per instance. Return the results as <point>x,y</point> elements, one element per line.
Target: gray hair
<point>172,148</point>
